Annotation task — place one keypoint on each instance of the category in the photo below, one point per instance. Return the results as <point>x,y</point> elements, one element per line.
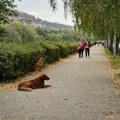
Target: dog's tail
<point>24,89</point>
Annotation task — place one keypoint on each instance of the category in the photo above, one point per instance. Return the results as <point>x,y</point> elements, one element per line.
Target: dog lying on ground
<point>34,84</point>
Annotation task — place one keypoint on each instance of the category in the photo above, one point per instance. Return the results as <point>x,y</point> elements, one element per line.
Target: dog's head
<point>44,77</point>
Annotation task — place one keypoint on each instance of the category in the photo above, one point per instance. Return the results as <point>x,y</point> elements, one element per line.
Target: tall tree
<point>6,10</point>
<point>99,17</point>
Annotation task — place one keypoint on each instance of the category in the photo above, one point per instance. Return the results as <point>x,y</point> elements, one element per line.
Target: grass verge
<point>115,65</point>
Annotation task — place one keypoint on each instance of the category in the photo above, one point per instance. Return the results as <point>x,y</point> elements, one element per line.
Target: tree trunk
<point>117,46</point>
<point>115,41</point>
<point>110,43</point>
<point>108,40</point>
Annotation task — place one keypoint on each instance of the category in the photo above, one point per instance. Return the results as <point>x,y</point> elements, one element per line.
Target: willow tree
<point>6,10</point>
<point>98,17</point>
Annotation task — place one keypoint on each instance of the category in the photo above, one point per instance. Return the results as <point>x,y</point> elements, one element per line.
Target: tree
<point>6,10</point>
<point>54,37</point>
<point>19,33</point>
<point>100,18</point>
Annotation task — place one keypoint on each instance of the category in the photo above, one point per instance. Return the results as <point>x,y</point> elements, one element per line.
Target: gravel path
<point>82,89</point>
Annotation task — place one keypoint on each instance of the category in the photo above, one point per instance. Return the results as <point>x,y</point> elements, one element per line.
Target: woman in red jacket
<point>80,48</point>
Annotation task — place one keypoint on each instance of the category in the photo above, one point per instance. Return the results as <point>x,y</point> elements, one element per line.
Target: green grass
<point>115,64</point>
<point>115,61</point>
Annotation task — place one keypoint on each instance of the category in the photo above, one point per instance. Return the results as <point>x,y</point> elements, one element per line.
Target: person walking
<point>87,47</point>
<point>80,48</point>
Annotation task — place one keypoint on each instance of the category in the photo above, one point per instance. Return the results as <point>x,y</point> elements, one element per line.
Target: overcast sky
<point>42,9</point>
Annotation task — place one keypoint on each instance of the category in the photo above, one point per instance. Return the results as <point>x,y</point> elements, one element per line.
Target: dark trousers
<point>87,52</point>
<point>80,51</point>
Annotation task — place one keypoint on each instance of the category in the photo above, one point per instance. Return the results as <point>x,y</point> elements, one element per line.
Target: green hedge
<point>52,52</point>
<point>66,48</point>
<point>63,49</point>
<point>18,59</point>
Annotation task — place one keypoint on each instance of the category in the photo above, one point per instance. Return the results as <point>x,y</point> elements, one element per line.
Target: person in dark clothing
<point>87,47</point>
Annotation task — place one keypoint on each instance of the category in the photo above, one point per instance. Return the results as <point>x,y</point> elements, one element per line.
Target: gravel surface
<point>82,89</point>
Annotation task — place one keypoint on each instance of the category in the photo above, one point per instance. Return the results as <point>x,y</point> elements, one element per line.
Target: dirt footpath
<point>82,89</point>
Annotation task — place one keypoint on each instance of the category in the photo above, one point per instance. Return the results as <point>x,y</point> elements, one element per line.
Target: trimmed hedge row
<point>66,48</point>
<point>18,59</point>
<point>52,52</point>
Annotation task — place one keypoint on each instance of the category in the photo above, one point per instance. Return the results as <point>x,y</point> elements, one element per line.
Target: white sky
<point>42,9</point>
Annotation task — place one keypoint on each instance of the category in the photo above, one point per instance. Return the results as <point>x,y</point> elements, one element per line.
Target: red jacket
<point>80,45</point>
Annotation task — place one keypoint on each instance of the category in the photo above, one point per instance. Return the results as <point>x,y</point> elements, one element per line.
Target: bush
<point>63,49</point>
<point>52,52</point>
<point>18,33</point>
<point>66,48</point>
<point>16,59</point>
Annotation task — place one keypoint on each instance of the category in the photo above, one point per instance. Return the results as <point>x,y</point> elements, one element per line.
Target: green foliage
<point>96,17</point>
<point>115,64</point>
<point>6,10</point>
<point>72,47</point>
<point>71,35</point>
<point>18,33</point>
<point>54,35</point>
<point>18,59</point>
<point>52,52</point>
<point>41,32</point>
<point>115,61</point>
<point>63,49</point>
<point>22,46</point>
<point>2,34</point>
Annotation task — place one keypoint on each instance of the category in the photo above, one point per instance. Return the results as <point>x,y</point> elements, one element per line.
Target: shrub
<point>63,49</point>
<point>18,33</point>
<point>66,48</point>
<point>16,59</point>
<point>52,52</point>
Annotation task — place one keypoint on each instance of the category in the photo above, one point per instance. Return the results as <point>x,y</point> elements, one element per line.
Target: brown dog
<point>34,84</point>
<point>39,64</point>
